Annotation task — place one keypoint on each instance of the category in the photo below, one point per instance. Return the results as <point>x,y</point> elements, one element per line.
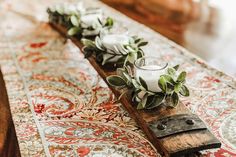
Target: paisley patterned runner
<point>61,107</point>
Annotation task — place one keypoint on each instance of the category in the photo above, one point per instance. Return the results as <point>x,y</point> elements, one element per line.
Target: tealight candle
<point>150,69</point>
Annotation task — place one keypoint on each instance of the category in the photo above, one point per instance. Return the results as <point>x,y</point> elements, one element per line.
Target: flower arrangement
<point>79,20</point>
<point>171,86</point>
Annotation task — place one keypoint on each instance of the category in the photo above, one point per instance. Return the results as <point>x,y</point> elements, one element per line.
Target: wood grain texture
<point>174,145</point>
<point>8,141</point>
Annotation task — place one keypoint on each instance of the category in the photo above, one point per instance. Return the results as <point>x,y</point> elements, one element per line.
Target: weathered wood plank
<point>173,145</point>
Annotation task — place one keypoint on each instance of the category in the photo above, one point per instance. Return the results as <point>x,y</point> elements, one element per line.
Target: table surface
<point>208,32</point>
<point>61,107</point>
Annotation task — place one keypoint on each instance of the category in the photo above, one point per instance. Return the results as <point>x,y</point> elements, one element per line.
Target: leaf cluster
<point>73,23</point>
<point>171,84</point>
<point>127,54</point>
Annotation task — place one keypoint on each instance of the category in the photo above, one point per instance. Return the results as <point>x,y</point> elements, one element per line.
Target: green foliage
<point>171,85</point>
<point>109,22</point>
<point>116,81</point>
<point>71,20</point>
<point>75,20</point>
<point>128,54</point>
<point>73,31</point>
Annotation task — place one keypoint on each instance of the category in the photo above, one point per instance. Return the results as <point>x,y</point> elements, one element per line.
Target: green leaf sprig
<point>128,54</point>
<point>73,23</point>
<point>93,30</point>
<point>171,84</point>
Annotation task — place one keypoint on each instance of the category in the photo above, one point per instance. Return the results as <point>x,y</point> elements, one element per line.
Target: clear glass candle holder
<point>150,69</point>
<point>117,29</point>
<point>114,38</point>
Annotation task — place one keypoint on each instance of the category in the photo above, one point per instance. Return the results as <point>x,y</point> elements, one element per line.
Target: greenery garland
<point>71,19</point>
<point>171,84</point>
<point>127,54</point>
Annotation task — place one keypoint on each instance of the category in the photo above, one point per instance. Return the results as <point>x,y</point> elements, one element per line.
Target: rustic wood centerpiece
<point>173,131</point>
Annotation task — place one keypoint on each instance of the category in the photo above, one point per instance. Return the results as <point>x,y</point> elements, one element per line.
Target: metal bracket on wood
<point>176,124</point>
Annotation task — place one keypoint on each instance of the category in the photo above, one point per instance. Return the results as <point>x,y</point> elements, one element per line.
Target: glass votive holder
<point>117,29</point>
<point>114,38</point>
<point>150,69</point>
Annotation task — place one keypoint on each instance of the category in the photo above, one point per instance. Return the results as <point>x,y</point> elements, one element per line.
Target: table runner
<point>61,107</point>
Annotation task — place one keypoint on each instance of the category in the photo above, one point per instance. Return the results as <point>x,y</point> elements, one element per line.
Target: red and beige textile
<point>61,107</point>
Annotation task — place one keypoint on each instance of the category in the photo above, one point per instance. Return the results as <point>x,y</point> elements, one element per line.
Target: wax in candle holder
<point>114,39</point>
<point>150,69</point>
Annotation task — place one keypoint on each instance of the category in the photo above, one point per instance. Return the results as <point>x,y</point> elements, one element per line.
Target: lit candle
<point>150,69</point>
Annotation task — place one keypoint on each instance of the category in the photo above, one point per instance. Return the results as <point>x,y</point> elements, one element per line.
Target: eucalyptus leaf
<point>107,58</point>
<point>98,43</point>
<point>128,77</point>
<point>174,100</point>
<point>100,22</point>
<point>126,60</point>
<point>140,105</point>
<point>121,60</point>
<point>135,84</point>
<point>128,70</point>
<point>162,84</point>
<point>171,71</point>
<point>169,88</point>
<point>184,91</point>
<point>176,67</point>
<point>177,87</point>
<point>156,100</point>
<point>140,53</point>
<point>182,76</point>
<point>88,43</point>
<point>135,94</point>
<point>130,49</point>
<point>123,50</point>
<point>73,31</point>
<point>132,57</point>
<point>74,20</point>
<point>144,100</point>
<point>150,101</point>
<point>168,79</point>
<point>115,80</point>
<point>143,83</point>
<point>142,44</point>
<point>109,22</point>
<point>137,40</point>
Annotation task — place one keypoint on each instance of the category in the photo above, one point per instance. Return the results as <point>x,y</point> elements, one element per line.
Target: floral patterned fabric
<point>61,107</point>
